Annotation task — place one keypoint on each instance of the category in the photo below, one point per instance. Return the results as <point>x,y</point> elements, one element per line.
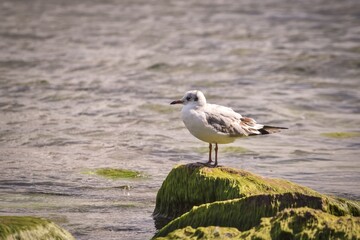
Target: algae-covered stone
<point>212,232</point>
<point>25,227</point>
<point>193,184</point>
<point>300,223</point>
<point>231,198</point>
<point>246,213</point>
<point>306,223</point>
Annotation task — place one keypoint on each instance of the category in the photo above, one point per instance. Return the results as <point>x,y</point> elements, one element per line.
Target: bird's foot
<point>208,164</point>
<point>204,164</point>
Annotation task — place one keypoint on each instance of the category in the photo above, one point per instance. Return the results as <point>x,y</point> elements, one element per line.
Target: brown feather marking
<point>248,124</point>
<point>248,121</point>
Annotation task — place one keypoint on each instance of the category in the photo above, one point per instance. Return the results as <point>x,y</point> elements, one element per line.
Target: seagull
<point>217,124</point>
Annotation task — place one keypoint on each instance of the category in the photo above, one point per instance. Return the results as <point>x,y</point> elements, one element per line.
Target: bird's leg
<point>216,153</point>
<point>208,163</point>
<point>210,150</point>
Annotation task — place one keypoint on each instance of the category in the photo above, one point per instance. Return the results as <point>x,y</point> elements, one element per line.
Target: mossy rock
<point>300,223</point>
<point>246,213</point>
<point>212,232</point>
<point>25,227</point>
<point>198,196</point>
<point>193,184</point>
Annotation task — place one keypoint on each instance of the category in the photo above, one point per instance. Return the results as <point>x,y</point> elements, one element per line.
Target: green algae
<point>306,223</point>
<point>246,213</point>
<point>114,174</point>
<point>300,223</point>
<point>198,196</point>
<point>212,232</point>
<point>192,185</point>
<point>26,227</point>
<point>340,135</point>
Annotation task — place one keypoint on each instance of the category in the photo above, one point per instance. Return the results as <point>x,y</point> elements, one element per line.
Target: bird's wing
<point>250,126</point>
<point>227,121</point>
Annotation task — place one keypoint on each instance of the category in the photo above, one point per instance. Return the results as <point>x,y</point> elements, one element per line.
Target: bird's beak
<point>177,102</point>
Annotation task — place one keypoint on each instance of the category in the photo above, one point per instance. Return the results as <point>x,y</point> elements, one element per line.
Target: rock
<point>202,197</point>
<point>246,213</point>
<point>211,232</point>
<point>25,227</point>
<point>300,223</point>
<point>193,184</point>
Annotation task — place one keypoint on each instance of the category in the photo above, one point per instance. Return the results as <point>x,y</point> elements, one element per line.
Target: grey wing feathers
<point>232,125</point>
<point>238,126</point>
<point>220,123</point>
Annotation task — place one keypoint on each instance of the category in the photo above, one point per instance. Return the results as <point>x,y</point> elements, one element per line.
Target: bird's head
<point>193,97</point>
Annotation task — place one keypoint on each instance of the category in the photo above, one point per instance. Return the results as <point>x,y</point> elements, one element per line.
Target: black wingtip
<point>270,129</point>
<point>266,126</point>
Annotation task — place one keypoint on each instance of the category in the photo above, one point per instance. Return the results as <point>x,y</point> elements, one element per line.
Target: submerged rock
<point>199,196</point>
<point>24,228</point>
<point>113,173</point>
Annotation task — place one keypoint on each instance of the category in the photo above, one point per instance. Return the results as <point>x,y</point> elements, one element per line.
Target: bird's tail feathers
<point>270,129</point>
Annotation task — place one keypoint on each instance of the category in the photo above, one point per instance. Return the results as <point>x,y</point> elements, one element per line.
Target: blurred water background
<point>87,84</point>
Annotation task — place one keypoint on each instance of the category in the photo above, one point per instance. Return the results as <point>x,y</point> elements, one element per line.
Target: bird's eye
<point>196,98</point>
<point>188,98</point>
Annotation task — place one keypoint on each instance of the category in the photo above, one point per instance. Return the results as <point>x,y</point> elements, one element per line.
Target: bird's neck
<point>189,107</point>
